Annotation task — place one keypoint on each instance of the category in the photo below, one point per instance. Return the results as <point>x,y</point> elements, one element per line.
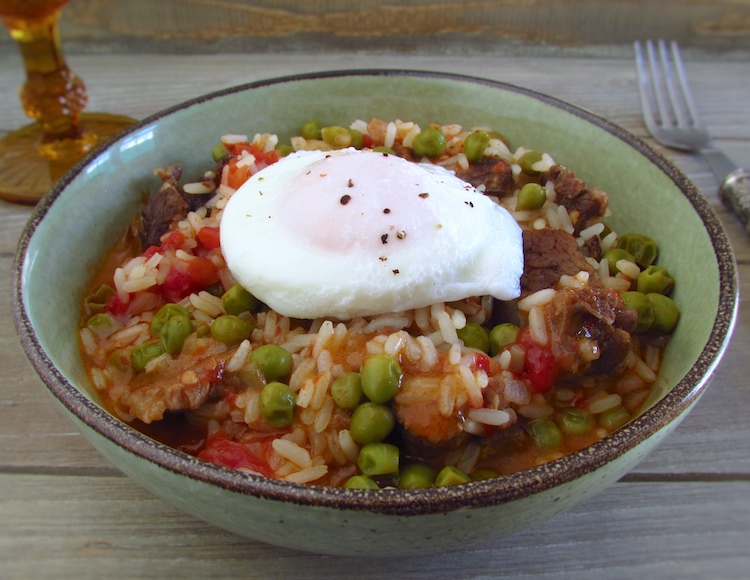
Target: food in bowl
<point>539,357</point>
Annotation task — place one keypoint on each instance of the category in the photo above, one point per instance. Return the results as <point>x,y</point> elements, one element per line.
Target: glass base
<point>26,175</point>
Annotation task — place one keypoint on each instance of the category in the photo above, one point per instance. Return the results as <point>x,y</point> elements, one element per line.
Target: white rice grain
<point>239,357</point>
<point>390,134</point>
<point>539,298</point>
<point>307,475</point>
<point>494,417</point>
<point>605,403</point>
<point>293,452</point>
<point>538,326</point>
<point>348,445</point>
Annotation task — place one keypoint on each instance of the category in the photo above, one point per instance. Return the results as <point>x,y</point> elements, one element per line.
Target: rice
<point>456,386</point>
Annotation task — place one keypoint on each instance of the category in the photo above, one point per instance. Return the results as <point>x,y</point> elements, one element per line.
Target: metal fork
<point>673,120</point>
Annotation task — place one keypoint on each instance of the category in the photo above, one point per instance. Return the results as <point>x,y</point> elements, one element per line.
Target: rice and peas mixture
<point>440,395</point>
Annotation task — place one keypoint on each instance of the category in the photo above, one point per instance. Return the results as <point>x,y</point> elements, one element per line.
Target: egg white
<point>351,233</point>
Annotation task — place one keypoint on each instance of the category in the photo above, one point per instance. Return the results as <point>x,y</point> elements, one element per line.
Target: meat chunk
<point>170,204</point>
<point>548,255</point>
<point>495,175</point>
<point>585,205</point>
<point>173,388</point>
<point>583,316</point>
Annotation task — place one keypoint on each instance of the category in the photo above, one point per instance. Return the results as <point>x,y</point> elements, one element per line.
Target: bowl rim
<point>391,501</point>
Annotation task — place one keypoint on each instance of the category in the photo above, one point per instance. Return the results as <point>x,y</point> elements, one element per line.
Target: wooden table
<point>683,513</point>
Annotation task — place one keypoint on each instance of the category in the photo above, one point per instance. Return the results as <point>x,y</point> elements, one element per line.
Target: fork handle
<point>735,193</point>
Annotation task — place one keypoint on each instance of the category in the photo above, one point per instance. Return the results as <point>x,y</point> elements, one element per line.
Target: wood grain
<point>413,26</point>
<point>65,512</point>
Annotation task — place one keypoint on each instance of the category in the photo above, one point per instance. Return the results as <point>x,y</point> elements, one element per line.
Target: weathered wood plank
<point>413,26</point>
<point>95,527</point>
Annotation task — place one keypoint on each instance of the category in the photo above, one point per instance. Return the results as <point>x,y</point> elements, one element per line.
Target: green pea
<point>202,329</point>
<point>429,143</point>
<point>120,359</point>
<point>174,332</point>
<point>501,336</point>
<point>531,196</point>
<point>450,475</point>
<point>97,301</point>
<point>474,335</point>
<point>218,151</point>
<point>230,329</point>
<point>613,418</point>
<point>311,129</point>
<point>215,289</point>
<point>655,279</point>
<point>483,473</point>
<point>361,482</point>
<point>615,255</point>
<point>237,300</point>
<point>475,145</point>
<point>416,476</point>
<point>277,404</point>
<point>642,248</point>
<point>165,313</point>
<point>102,324</point>
<point>284,149</point>
<point>378,459</point>
<point>358,140</point>
<point>336,137</point>
<point>545,434</point>
<point>575,421</point>
<point>146,352</point>
<point>527,161</point>
<point>346,391</point>
<point>666,313</point>
<point>381,377</point>
<point>642,305</point>
<point>273,361</point>
<point>371,423</point>
<point>382,149</point>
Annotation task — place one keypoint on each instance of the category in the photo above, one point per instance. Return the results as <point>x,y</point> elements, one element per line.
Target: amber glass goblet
<point>34,157</point>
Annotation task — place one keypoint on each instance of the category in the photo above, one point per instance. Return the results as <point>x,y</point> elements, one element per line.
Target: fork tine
<point>658,81</point>
<point>676,104</point>
<point>645,88</point>
<point>695,119</point>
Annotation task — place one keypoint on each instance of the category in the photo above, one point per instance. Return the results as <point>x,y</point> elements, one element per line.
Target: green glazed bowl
<point>73,227</point>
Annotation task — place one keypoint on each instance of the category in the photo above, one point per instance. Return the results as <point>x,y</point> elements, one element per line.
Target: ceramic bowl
<point>73,227</point>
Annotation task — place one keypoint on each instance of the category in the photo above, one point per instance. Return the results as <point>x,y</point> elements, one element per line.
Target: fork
<point>672,118</point>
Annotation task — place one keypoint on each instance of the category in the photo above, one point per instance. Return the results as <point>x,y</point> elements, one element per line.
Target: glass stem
<point>52,94</point>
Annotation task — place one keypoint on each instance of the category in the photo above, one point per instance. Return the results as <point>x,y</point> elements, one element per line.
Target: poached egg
<point>350,233</point>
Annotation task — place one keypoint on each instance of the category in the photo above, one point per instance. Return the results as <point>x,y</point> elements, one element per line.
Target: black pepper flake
<point>469,203</point>
<point>383,258</point>
<point>401,234</point>
<point>424,195</point>
<point>384,238</point>
<point>350,183</point>
<point>345,199</point>
<point>396,272</point>
<point>385,154</point>
<point>386,210</point>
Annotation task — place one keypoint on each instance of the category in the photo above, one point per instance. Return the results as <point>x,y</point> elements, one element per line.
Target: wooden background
<point>549,27</point>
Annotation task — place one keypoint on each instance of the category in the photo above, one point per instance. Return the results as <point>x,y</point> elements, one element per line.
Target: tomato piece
<point>222,451</point>
<point>208,237</point>
<point>499,167</point>
<point>271,156</point>
<point>201,272</point>
<point>238,148</point>
<point>482,362</point>
<point>116,307</point>
<point>541,368</point>
<point>366,141</point>
<point>176,285</point>
<point>237,175</point>
<point>173,241</point>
